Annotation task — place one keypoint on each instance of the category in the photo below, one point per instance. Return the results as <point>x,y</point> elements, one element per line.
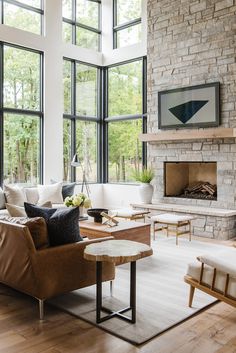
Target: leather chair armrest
<point>63,268</point>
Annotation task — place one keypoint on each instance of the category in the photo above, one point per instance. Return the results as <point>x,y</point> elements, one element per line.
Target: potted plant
<point>145,176</point>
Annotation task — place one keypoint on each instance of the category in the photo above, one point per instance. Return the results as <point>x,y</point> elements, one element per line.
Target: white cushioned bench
<point>171,221</point>
<point>214,274</point>
<point>129,213</point>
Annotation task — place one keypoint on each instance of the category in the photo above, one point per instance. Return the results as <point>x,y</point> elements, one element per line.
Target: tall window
<point>126,22</point>
<point>81,117</point>
<point>126,119</point>
<point>81,23</point>
<point>20,115</point>
<point>23,14</point>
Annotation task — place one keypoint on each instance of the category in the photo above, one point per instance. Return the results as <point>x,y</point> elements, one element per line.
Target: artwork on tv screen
<point>196,106</point>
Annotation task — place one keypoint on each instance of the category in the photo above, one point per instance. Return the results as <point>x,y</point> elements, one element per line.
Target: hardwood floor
<point>214,330</point>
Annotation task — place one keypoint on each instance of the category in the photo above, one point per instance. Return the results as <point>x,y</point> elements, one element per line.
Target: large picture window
<point>23,14</point>
<point>21,115</point>
<point>126,119</point>
<point>81,23</point>
<point>126,22</point>
<point>81,119</point>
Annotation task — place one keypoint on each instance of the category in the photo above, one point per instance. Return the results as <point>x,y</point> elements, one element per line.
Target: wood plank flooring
<point>212,331</point>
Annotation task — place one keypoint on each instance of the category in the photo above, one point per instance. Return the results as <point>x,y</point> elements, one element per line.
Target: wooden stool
<point>172,222</point>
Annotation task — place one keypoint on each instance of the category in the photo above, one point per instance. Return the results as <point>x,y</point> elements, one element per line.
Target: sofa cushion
<point>2,199</point>
<point>62,223</point>
<point>52,192</point>
<point>14,195</point>
<point>32,195</point>
<point>15,211</point>
<point>67,189</point>
<point>18,211</point>
<point>37,227</point>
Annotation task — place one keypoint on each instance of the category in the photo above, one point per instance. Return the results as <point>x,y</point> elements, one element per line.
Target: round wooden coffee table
<point>116,251</point>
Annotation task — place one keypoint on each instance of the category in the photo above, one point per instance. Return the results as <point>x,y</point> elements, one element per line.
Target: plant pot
<point>146,192</point>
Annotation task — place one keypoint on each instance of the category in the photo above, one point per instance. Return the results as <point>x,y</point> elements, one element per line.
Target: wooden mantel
<point>187,134</point>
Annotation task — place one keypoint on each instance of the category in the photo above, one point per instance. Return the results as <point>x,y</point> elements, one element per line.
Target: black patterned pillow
<point>62,223</point>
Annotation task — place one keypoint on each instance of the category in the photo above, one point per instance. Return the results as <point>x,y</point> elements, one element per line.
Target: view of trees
<point>21,90</point>
<point>87,13</point>
<point>21,149</point>
<point>85,86</point>
<point>21,18</point>
<point>128,11</point>
<point>125,149</point>
<point>86,90</point>
<point>86,148</point>
<point>124,98</point>
<point>125,89</point>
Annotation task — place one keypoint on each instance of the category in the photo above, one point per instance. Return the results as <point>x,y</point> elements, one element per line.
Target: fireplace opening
<point>194,180</point>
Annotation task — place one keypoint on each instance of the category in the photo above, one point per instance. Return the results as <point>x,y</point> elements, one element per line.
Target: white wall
<point>119,196</point>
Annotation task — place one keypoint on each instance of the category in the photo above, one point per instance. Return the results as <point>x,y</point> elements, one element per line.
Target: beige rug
<point>162,295</point>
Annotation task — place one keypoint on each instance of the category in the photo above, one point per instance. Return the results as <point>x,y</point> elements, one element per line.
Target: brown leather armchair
<point>48,272</point>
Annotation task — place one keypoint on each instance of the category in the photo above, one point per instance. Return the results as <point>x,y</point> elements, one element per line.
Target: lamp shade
<point>75,161</point>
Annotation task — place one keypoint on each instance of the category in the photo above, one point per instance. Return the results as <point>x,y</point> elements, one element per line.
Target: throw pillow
<point>18,211</point>
<point>67,189</point>
<point>37,227</point>
<point>32,195</point>
<point>2,199</point>
<point>14,195</point>
<point>51,193</point>
<point>62,223</point>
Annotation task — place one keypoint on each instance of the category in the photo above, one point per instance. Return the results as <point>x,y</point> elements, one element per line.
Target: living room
<point>120,86</point>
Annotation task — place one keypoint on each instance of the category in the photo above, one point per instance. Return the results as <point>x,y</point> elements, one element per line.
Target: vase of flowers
<point>79,200</point>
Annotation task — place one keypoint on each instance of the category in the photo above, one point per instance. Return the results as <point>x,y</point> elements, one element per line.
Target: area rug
<point>162,294</point>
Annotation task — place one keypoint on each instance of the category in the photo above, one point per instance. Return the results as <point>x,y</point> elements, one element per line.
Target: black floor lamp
<point>76,163</point>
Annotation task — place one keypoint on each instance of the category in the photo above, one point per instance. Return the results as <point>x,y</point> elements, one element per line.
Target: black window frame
<point>120,27</point>
<point>36,113</point>
<point>73,117</point>
<point>38,10</point>
<point>107,119</point>
<point>74,23</point>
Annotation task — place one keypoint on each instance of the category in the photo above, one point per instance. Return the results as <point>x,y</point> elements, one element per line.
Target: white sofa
<point>31,195</point>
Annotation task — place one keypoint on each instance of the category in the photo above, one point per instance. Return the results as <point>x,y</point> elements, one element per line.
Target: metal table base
<point>120,313</point>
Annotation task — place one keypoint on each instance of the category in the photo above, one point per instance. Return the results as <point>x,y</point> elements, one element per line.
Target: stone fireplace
<point>193,180</point>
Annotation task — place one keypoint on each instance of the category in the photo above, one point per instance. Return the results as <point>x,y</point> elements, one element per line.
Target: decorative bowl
<point>96,213</point>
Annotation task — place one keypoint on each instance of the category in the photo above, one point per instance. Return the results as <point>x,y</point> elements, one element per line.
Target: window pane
<point>128,10</point>
<point>33,3</point>
<point>86,147</point>
<point>125,89</point>
<point>67,32</point>
<point>67,8</point>
<point>21,79</point>
<point>88,13</point>
<point>21,149</point>
<point>125,149</point>
<point>67,86</point>
<point>21,18</point>
<point>66,150</point>
<point>86,90</point>
<point>129,36</point>
<point>87,39</point>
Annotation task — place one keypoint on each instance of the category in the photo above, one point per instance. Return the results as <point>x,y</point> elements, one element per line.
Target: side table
<point>116,251</point>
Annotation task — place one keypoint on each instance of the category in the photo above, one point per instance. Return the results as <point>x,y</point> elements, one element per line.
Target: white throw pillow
<point>14,195</point>
<point>52,192</point>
